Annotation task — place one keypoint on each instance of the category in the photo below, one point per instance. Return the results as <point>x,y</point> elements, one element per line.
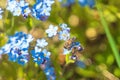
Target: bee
<point>74,47</point>
<point>74,50</point>
<point>68,43</point>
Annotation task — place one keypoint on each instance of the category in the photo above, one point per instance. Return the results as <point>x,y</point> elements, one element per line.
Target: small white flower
<point>64,35</point>
<point>52,31</point>
<point>45,10</point>
<point>46,53</point>
<point>64,27</point>
<point>41,43</point>
<point>29,38</point>
<point>22,3</point>
<point>27,11</point>
<point>17,11</point>
<point>11,5</point>
<point>37,49</point>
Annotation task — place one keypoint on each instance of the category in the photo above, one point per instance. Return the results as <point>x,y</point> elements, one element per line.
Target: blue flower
<point>82,2</point>
<point>90,3</point>
<point>25,8</point>
<point>41,43</point>
<point>37,49</point>
<point>18,7</point>
<point>46,53</point>
<point>1,51</point>
<point>64,27</point>
<point>1,11</point>
<point>67,2</point>
<point>41,10</point>
<point>64,35</point>
<point>29,38</point>
<point>80,64</point>
<point>11,5</point>
<point>38,57</point>
<point>23,59</point>
<point>49,71</point>
<point>6,48</point>
<point>50,74</point>
<point>17,47</point>
<point>52,31</point>
<point>49,2</point>
<point>13,54</point>
<point>45,10</point>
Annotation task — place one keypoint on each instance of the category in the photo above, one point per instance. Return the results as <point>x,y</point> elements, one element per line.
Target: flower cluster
<point>18,8</point>
<point>83,3</point>
<point>49,70</point>
<point>17,47</point>
<point>40,54</point>
<point>63,34</point>
<point>70,46</point>
<point>1,11</point>
<point>41,10</point>
<point>17,50</point>
<point>42,57</point>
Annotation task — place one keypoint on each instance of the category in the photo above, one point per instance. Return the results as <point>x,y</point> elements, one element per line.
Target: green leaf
<point>68,60</point>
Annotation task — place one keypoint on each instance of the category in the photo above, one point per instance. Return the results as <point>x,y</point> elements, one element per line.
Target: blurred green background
<point>85,24</point>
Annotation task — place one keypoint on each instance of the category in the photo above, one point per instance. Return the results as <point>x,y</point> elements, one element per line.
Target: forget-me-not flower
<point>51,31</point>
<point>64,26</point>
<point>41,43</point>
<point>49,70</point>
<point>50,73</point>
<point>17,47</point>
<point>64,34</point>
<point>46,53</point>
<point>18,7</point>
<point>41,10</point>
<point>37,49</point>
<point>11,5</point>
<point>40,54</point>
<point>40,57</point>
<point>17,11</point>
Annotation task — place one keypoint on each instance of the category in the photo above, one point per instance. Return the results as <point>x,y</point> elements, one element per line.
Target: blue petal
<point>80,64</point>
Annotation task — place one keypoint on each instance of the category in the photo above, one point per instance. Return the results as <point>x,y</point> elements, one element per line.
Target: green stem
<point>109,36</point>
<point>12,25</point>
